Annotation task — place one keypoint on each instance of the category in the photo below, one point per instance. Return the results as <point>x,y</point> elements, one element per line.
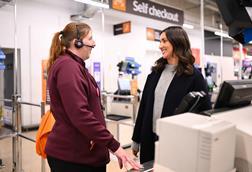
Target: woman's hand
<point>124,160</point>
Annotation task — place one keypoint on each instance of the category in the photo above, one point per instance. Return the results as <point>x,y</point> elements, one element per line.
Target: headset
<point>78,42</point>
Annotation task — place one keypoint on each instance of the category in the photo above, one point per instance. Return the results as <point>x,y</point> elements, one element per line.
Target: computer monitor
<point>123,84</point>
<point>236,14</point>
<point>234,93</point>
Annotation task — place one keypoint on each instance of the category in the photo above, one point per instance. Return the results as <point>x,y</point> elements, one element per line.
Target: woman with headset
<point>79,140</point>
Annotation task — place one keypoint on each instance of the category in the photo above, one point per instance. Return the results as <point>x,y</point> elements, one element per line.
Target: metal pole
<point>102,51</point>
<point>16,113</point>
<point>104,103</point>
<point>221,54</point>
<point>42,159</point>
<point>28,103</point>
<point>15,51</point>
<point>14,139</point>
<point>202,61</point>
<point>17,141</point>
<point>240,61</point>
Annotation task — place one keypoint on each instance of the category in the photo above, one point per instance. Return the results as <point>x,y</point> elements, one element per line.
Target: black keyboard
<point>116,117</point>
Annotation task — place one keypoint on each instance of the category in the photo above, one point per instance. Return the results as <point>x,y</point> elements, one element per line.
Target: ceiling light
<point>222,34</point>
<point>188,26</point>
<point>94,3</point>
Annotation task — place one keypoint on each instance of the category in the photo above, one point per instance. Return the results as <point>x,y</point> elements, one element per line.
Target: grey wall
<point>212,45</point>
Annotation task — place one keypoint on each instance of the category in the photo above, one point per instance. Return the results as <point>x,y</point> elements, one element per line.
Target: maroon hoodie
<point>79,134</point>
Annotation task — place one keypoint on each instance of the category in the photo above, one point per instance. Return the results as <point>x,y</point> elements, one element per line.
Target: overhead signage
<point>153,34</point>
<point>97,73</point>
<point>149,9</point>
<point>122,28</point>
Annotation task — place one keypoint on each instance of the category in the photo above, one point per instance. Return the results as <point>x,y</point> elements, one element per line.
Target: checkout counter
<point>218,142</point>
<point>120,115</point>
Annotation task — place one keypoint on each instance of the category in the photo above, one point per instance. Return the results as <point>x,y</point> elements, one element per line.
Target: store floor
<point>31,161</point>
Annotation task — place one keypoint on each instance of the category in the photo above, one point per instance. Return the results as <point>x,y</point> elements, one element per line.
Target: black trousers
<point>57,165</point>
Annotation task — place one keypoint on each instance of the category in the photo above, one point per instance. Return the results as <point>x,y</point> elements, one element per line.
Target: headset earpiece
<point>78,42</point>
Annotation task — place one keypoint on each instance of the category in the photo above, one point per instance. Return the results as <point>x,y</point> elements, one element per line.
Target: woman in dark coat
<point>172,77</point>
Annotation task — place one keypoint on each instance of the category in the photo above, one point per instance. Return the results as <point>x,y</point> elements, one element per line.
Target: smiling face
<point>167,49</point>
<point>165,46</point>
<point>176,50</point>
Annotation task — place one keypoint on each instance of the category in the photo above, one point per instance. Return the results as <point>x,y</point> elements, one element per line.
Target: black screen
<point>234,93</point>
<point>237,18</point>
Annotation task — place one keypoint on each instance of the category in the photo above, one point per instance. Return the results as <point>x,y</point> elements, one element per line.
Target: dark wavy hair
<point>177,36</point>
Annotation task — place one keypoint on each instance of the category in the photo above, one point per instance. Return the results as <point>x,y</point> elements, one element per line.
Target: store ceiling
<point>191,8</point>
<point>4,2</point>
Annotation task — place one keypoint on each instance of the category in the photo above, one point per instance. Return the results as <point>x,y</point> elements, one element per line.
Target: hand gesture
<point>124,160</point>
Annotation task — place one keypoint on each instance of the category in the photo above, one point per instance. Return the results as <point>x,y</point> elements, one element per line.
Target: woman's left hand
<point>124,160</point>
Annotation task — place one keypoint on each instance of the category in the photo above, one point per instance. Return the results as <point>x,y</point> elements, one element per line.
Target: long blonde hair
<point>61,40</point>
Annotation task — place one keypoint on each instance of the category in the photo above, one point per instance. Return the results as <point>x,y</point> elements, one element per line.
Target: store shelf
<point>5,132</point>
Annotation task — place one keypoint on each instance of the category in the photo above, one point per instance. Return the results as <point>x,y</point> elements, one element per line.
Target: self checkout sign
<point>149,9</point>
<point>2,57</point>
<point>122,28</point>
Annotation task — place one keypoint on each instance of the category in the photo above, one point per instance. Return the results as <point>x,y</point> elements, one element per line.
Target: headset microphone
<point>91,46</point>
<point>78,42</point>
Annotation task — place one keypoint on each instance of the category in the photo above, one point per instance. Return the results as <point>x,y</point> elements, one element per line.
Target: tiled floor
<point>31,162</point>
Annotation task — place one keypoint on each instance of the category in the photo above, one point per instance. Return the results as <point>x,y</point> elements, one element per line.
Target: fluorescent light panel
<point>222,34</point>
<point>188,26</point>
<point>94,3</point>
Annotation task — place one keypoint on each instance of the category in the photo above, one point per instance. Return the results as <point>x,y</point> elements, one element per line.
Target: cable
<point>194,105</point>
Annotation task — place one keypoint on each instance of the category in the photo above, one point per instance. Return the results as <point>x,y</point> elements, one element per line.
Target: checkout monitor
<point>234,93</point>
<point>124,86</point>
